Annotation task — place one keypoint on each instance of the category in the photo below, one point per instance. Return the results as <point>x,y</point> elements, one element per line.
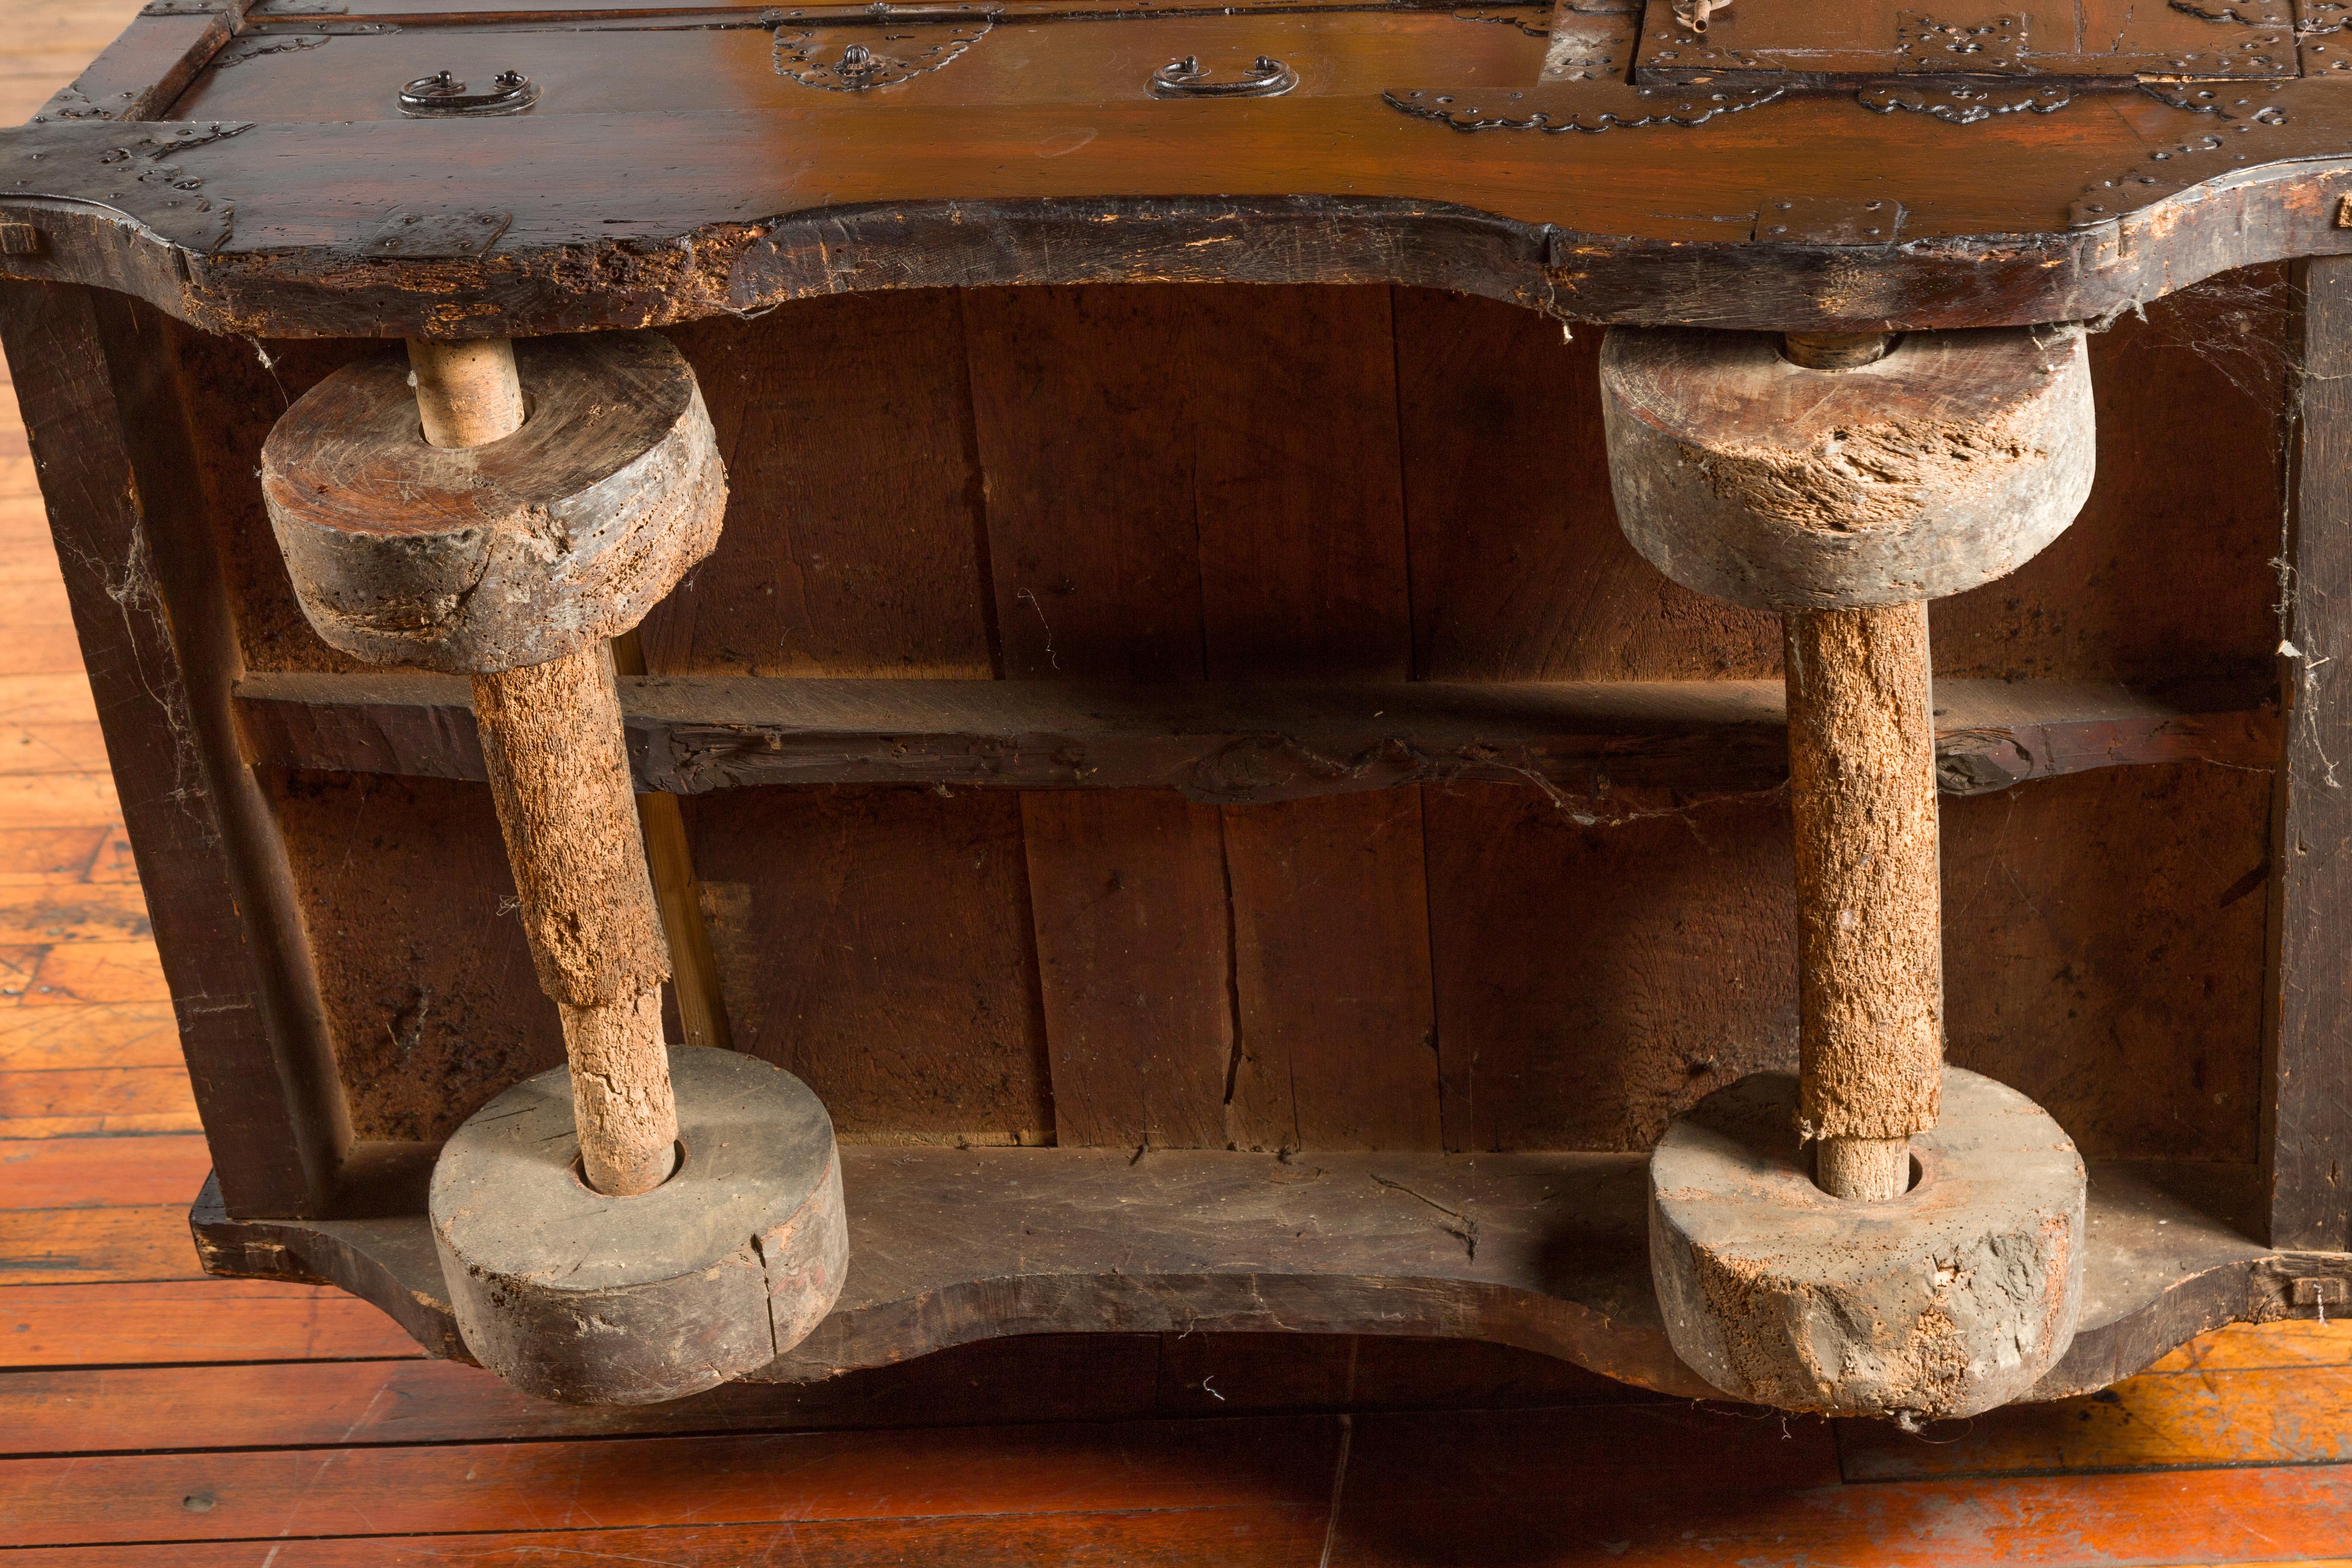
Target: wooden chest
<point>1171,745</point>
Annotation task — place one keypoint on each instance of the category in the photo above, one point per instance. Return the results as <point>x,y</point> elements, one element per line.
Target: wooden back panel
<point>1174,483</point>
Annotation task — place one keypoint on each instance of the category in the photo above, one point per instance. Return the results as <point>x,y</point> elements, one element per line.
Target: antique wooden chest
<point>1171,746</point>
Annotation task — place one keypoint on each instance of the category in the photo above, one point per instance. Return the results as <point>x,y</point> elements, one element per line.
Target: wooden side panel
<point>1338,1030</point>
<point>2308,1060</point>
<point>1591,981</point>
<point>1298,484</point>
<point>1134,956</point>
<point>853,539</point>
<point>430,995</point>
<point>1190,483</point>
<point>1519,569</point>
<point>107,417</point>
<point>245,388</point>
<point>2103,953</point>
<point>2164,575</point>
<point>1081,405</point>
<point>876,942</point>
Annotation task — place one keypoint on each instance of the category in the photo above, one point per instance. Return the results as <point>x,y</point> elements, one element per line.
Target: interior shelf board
<point>1239,743</point>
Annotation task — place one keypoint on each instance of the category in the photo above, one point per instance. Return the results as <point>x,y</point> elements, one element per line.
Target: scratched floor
<point>149,1416</point>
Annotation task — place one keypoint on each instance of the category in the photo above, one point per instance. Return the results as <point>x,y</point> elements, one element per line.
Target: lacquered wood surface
<point>675,167</point>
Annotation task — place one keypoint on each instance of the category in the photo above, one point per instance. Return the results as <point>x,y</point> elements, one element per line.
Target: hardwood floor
<point>149,1416</point>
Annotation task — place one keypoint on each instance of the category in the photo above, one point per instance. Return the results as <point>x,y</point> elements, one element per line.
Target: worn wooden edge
<point>1586,742</point>
<point>2306,1104</point>
<point>174,241</point>
<point>100,398</point>
<point>1546,1252</point>
<point>144,69</point>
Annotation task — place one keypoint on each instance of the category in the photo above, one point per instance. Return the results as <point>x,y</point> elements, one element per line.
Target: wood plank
<point>100,1173</point>
<point>1246,743</point>
<point>1519,569</point>
<point>1595,977</point>
<point>2306,1091</point>
<point>74,972</point>
<point>1398,1509</point>
<point>425,975</point>
<point>852,545</point>
<point>876,942</point>
<point>79,1246</point>
<point>2177,1421</point>
<point>35,601</point>
<point>1337,1045</point>
<point>1084,410</point>
<point>46,647</point>
<point>44,914</point>
<point>90,368</point>
<point>1300,520</point>
<point>1095,564</point>
<point>62,698</point>
<point>52,748</point>
<point>138,75</point>
<point>732,1480</point>
<point>1237,1536</point>
<point>2103,940</point>
<point>1128,890</point>
<point>194,1321</point>
<point>2252,1346</point>
<point>2203,374</point>
<point>1303,557</point>
<point>124,1034</point>
<point>315,1402</point>
<point>59,800</point>
<point>50,853</point>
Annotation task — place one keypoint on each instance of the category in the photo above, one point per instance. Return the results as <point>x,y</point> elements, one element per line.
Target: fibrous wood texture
<point>1949,1300</point>
<point>1943,466</point>
<point>1870,941</point>
<point>511,552</point>
<point>551,738</point>
<point>721,1268</point>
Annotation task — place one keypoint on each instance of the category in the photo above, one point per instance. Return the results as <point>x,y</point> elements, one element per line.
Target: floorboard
<point>152,1418</point>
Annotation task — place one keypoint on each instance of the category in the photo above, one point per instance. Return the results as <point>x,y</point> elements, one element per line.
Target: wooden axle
<point>1862,788</point>
<point>1844,480</point>
<point>560,773</point>
<point>431,514</point>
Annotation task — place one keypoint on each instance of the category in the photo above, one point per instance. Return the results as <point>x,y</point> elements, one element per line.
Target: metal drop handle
<point>1265,78</point>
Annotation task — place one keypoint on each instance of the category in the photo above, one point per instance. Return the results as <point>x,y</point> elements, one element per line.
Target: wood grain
<point>427,977</point>
<point>735,1480</point>
<point>2306,1091</point>
<point>1135,966</point>
<point>2131,1015</point>
<point>876,943</point>
<point>1390,1515</point>
<point>1593,979</point>
<point>1338,1033</point>
<point>98,1172</point>
<point>853,535</point>
<point>2177,1421</point>
<point>61,1100</point>
<point>1239,1536</point>
<point>195,1321</point>
<point>79,1246</point>
<point>122,1035</point>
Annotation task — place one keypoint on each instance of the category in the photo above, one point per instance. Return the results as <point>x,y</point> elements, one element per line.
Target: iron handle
<point>1265,78</point>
